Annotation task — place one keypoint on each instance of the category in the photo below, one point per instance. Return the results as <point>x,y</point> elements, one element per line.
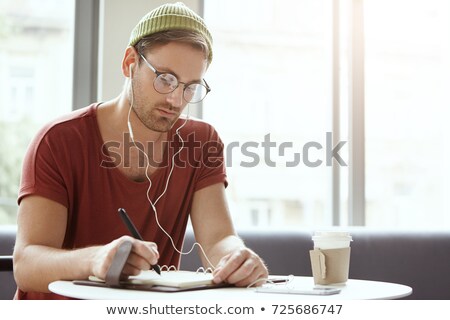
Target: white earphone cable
<point>153,204</point>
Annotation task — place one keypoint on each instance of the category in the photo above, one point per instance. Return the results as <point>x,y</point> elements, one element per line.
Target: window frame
<point>86,53</point>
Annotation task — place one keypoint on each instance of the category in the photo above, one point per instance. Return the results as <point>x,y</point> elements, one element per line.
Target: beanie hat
<point>171,17</point>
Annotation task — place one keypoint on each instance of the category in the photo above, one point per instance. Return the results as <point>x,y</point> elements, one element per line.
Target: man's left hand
<point>241,268</point>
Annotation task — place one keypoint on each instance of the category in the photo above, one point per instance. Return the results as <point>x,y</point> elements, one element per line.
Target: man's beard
<point>152,120</point>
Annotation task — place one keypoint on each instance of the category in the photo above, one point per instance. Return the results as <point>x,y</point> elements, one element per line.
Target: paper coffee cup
<point>330,259</point>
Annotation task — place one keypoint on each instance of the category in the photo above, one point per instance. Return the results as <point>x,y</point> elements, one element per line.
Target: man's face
<point>157,111</point>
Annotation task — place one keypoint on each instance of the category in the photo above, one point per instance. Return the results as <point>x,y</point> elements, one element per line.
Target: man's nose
<point>176,97</point>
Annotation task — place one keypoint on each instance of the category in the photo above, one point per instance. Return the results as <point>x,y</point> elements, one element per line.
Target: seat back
<point>7,283</point>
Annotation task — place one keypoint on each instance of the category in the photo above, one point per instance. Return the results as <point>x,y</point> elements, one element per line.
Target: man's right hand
<point>143,255</point>
<point>39,258</point>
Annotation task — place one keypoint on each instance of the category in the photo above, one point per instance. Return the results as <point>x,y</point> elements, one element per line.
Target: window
<point>271,101</point>
<point>36,71</point>
<point>407,110</point>
<point>272,75</point>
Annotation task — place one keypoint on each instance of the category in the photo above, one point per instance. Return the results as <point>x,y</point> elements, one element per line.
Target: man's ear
<point>129,62</point>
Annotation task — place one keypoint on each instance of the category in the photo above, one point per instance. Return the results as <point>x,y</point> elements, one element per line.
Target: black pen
<point>135,233</point>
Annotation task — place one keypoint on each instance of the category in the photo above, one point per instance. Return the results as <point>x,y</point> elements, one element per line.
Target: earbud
<point>131,70</point>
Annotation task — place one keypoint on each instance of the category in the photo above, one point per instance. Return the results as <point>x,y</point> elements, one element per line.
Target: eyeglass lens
<point>166,83</point>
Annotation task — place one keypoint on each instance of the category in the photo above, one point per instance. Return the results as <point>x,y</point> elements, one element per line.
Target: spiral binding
<point>173,268</point>
<point>205,271</point>
<point>168,268</point>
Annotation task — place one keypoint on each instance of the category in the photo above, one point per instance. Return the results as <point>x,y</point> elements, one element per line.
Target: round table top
<point>352,290</point>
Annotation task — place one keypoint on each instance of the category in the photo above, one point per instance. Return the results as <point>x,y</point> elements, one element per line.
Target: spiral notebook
<point>170,280</point>
<point>173,278</point>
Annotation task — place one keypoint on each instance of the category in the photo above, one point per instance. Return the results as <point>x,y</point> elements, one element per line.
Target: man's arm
<point>234,262</point>
<point>39,259</point>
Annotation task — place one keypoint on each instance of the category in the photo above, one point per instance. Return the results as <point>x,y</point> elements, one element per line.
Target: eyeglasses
<point>166,83</point>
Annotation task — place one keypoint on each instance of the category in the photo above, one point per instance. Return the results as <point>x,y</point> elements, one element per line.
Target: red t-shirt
<point>68,162</point>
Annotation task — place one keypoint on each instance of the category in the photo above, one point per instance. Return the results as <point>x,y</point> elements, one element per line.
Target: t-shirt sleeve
<point>212,167</point>
<point>41,171</point>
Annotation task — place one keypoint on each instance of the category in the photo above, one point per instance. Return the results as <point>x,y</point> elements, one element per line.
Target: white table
<point>352,290</point>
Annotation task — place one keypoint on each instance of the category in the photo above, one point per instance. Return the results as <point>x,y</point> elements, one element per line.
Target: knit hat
<point>170,17</point>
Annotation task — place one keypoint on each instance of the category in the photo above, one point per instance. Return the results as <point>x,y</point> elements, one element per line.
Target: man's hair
<point>192,38</point>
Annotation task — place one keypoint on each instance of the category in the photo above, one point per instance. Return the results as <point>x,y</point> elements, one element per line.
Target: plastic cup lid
<point>332,235</point>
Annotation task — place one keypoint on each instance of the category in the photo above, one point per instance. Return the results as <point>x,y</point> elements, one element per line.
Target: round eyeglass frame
<point>160,77</point>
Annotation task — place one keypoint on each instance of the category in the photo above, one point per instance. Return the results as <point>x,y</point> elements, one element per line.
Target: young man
<point>133,152</point>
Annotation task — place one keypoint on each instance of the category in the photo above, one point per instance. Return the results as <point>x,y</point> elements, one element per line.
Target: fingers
<point>143,255</point>
<point>241,268</point>
<point>234,266</point>
<point>130,270</point>
<point>138,262</point>
<point>135,264</point>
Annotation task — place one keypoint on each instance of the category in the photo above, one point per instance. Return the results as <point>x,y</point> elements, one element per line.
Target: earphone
<point>153,204</point>
<point>131,104</point>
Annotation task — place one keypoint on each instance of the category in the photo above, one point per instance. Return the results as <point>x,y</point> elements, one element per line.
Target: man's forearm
<point>36,266</point>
